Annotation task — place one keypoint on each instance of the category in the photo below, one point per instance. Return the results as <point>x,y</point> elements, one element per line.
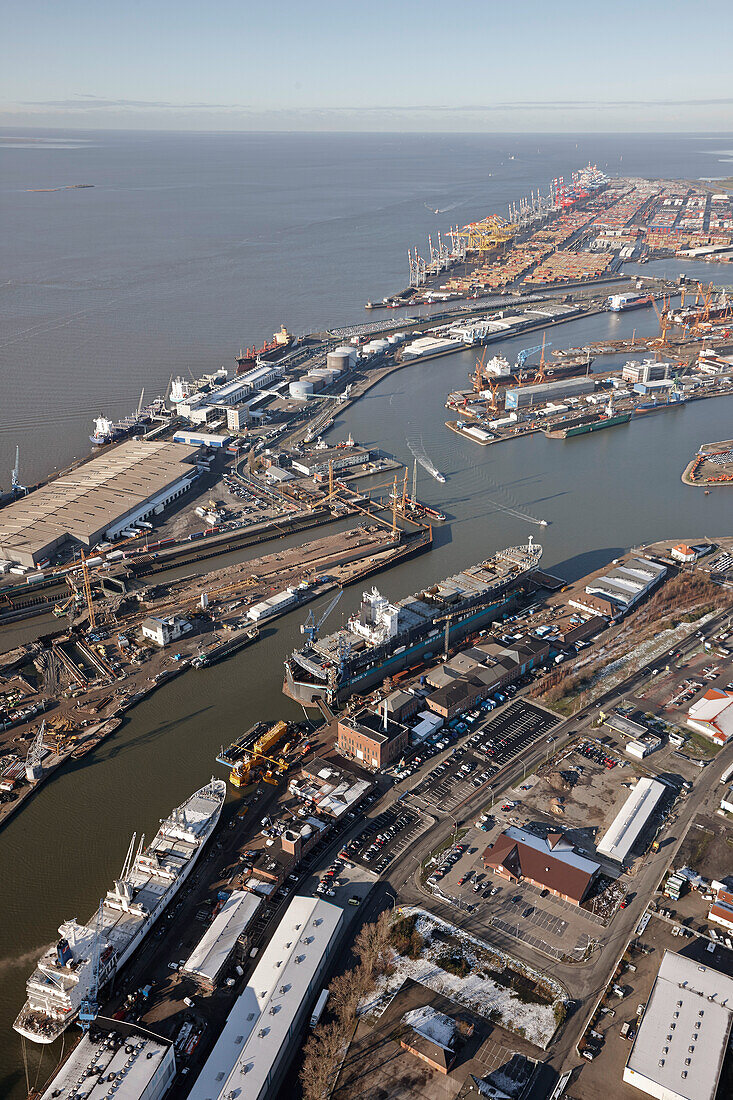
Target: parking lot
<point>550,925</point>
<point>385,836</point>
<point>489,746</point>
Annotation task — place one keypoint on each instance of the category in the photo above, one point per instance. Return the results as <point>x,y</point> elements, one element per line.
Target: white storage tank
<point>300,390</point>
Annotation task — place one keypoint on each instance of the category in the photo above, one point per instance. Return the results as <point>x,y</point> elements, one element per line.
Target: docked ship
<point>105,431</point>
<point>274,349</point>
<point>619,303</point>
<point>64,977</point>
<point>581,425</point>
<point>222,648</point>
<point>383,638</point>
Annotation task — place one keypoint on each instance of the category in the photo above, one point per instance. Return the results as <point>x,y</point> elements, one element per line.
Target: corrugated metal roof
<point>216,945</point>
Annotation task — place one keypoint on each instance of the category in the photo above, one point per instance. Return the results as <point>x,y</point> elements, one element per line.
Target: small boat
<point>439,477</point>
<point>543,523</point>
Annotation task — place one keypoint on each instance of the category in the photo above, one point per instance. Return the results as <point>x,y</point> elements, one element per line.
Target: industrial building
<point>341,457</point>
<point>165,631</point>
<point>215,948</point>
<point>549,863</point>
<point>648,371</point>
<point>615,592</point>
<point>431,345</point>
<point>712,715</point>
<point>202,439</point>
<point>328,788</point>
<point>373,740</point>
<point>681,1043</point>
<point>521,397</point>
<point>117,1059</point>
<point>262,1030</point>
<point>97,500</point>
<point>721,911</point>
<point>626,827</point>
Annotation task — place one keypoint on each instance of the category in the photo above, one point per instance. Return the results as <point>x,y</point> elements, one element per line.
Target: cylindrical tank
<point>300,390</point>
<point>340,359</point>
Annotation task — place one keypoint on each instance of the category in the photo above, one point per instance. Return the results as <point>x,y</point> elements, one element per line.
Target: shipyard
<point>453,843</point>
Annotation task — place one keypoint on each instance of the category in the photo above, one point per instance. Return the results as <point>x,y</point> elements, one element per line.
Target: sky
<point>372,65</point>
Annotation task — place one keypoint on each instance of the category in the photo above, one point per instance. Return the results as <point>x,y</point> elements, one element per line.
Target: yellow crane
<point>487,235</point>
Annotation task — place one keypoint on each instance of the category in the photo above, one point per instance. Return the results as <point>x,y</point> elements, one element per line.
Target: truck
<point>655,846</point>
<point>625,1029</point>
<point>319,1007</point>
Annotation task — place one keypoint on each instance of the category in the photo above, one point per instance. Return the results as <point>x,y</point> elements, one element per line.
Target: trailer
<point>318,1010</point>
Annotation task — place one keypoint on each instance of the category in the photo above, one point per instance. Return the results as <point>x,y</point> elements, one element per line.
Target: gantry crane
<point>487,235</point>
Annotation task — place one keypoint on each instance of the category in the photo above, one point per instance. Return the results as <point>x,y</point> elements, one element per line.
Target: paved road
<point>585,983</point>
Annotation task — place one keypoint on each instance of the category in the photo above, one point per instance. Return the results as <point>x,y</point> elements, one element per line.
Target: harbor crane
<point>34,759</point>
<point>525,353</point>
<point>311,627</point>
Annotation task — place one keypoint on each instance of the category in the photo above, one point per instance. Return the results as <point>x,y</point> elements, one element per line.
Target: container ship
<point>619,303</point>
<point>383,638</point>
<point>64,975</point>
<point>581,425</point>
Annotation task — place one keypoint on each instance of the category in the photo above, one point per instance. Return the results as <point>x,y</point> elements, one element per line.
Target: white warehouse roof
<point>681,1043</point>
<point>143,1064</point>
<point>619,838</point>
<point>210,954</point>
<point>259,1029</point>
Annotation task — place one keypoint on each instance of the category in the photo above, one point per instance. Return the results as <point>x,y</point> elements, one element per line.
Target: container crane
<point>311,627</point>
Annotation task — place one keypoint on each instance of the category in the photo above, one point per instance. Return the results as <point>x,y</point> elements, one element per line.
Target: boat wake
<point>417,450</point>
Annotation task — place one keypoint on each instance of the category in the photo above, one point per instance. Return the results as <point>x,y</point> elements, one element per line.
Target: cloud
<point>86,101</point>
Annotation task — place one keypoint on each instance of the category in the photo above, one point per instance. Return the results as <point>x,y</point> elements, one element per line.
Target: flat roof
<point>624,830</point>
<point>259,1026</point>
<point>93,496</point>
<point>212,951</point>
<point>134,1069</point>
<point>682,1039</point>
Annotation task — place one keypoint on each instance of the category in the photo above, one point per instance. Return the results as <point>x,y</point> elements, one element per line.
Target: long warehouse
<point>626,827</point>
<point>261,1032</point>
<point>214,949</point>
<point>97,499</point>
<point>681,1044</point>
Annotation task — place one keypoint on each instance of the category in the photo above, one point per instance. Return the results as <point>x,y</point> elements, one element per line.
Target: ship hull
<point>308,693</point>
<point>42,1025</point>
<point>590,426</point>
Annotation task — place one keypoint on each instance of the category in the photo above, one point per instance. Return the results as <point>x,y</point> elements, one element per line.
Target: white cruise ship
<point>150,879</point>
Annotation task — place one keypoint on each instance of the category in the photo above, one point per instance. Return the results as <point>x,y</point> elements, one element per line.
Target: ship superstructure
<point>384,637</point>
<point>151,877</point>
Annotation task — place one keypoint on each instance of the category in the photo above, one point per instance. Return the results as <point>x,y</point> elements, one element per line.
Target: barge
<point>581,425</point>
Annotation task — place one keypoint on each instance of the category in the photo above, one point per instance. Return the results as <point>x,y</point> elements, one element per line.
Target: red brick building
<point>371,739</point>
